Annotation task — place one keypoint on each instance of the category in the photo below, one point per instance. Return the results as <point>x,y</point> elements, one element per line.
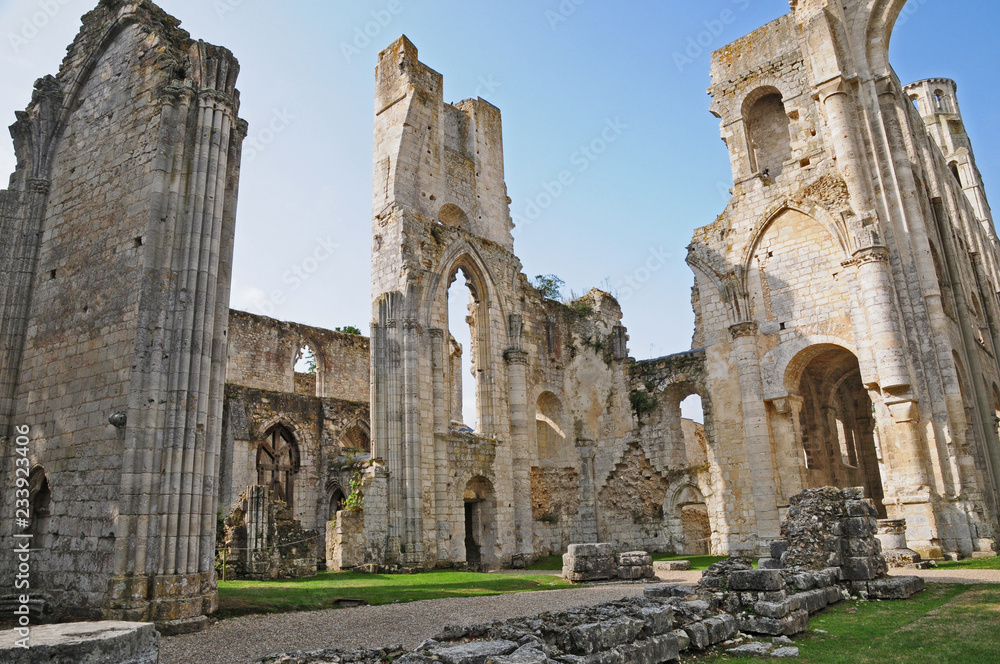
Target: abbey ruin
<point>847,325</point>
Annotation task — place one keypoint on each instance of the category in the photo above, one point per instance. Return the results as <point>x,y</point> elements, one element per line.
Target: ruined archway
<point>480,524</point>
<point>278,463</point>
<point>836,421</point>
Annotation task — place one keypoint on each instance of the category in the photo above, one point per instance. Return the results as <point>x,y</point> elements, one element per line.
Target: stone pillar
<point>589,528</point>
<point>877,293</point>
<point>892,535</point>
<point>762,478</point>
<point>789,453</point>
<point>838,104</point>
<point>517,367</point>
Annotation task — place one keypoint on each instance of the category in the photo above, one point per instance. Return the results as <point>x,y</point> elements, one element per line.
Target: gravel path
<point>969,576</point>
<point>243,640</point>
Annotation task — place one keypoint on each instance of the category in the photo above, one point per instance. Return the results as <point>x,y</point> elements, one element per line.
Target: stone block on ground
<point>756,579</point>
<point>895,587</point>
<point>475,652</point>
<point>672,565</point>
<point>84,643</point>
<point>634,559</point>
<point>794,623</point>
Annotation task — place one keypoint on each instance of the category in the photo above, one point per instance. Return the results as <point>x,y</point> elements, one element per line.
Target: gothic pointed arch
<point>278,462</point>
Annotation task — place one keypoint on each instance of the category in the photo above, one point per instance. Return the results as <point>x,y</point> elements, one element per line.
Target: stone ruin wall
<point>325,422</point>
<point>263,352</point>
<point>94,208</point>
<point>554,380</point>
<point>795,268</point>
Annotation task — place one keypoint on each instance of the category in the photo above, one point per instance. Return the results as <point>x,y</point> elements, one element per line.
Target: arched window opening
<point>356,440</point>
<point>693,429</point>
<point>550,432</point>
<point>768,131</point>
<point>916,101</point>
<point>337,499</point>
<point>837,424</point>
<point>463,305</point>
<point>954,171</point>
<point>278,463</point>
<point>306,371</point>
<point>942,102</point>
<point>452,215</point>
<point>40,501</point>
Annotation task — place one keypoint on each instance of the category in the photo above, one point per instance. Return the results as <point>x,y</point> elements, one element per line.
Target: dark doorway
<point>473,553</point>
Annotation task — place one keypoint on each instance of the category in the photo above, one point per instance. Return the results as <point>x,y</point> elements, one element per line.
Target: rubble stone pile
<point>829,552</point>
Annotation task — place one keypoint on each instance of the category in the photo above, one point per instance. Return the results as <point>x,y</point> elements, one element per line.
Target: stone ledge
<point>105,642</point>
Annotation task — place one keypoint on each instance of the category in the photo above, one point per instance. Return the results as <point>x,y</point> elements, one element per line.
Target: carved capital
<point>210,95</point>
<point>436,333</point>
<point>515,356</point>
<point>904,411</point>
<point>171,94</point>
<point>39,186</point>
<point>410,324</point>
<point>788,404</point>
<point>865,255</point>
<point>745,329</point>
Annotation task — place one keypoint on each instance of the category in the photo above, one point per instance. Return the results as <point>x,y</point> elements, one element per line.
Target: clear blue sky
<point>557,84</point>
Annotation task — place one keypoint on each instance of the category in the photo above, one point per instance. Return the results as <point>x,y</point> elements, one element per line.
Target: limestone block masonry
<point>85,643</point>
<point>574,441</point>
<point>845,299</point>
<point>114,291</point>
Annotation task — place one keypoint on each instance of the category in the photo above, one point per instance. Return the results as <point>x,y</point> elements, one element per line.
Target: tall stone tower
<point>937,101</point>
<point>440,207</point>
<point>114,278</point>
<point>846,297</point>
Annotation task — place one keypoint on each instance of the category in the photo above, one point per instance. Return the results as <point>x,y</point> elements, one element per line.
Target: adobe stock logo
<point>703,41</point>
<point>363,35</point>
<point>32,24</point>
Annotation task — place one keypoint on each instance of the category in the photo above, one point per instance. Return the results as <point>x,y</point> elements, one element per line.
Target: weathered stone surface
<point>754,649</point>
<point>84,643</point>
<point>588,639</point>
<point>523,655</point>
<point>672,565</point>
<point>756,579</point>
<point>790,625</point>
<point>476,652</point>
<point>895,587</point>
<point>784,653</point>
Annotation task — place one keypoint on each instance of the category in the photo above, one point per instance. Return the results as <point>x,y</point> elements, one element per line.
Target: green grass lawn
<point>326,589</point>
<point>550,563</point>
<point>945,624</point>
<point>972,563</point>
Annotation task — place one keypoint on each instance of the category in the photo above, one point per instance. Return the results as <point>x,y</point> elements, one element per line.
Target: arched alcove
<point>768,131</point>
<point>554,449</point>
<point>452,215</point>
<point>40,501</point>
<point>836,421</point>
<point>356,439</point>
